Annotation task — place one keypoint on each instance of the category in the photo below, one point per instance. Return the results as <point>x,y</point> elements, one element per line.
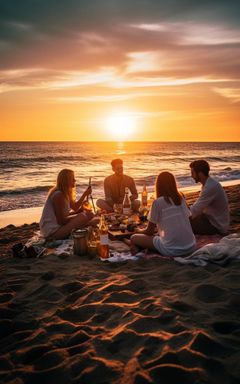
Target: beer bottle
<point>87,206</point>
<point>144,196</point>
<point>126,203</point>
<point>103,232</point>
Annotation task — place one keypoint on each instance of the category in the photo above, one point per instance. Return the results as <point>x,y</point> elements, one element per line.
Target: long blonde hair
<point>64,184</point>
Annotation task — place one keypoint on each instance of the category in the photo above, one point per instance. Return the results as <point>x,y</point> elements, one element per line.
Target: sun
<point>121,126</point>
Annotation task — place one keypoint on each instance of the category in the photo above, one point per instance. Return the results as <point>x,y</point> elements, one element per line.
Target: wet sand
<point>70,319</point>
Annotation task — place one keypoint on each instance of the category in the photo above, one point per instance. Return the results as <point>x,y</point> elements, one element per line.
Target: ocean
<point>29,169</point>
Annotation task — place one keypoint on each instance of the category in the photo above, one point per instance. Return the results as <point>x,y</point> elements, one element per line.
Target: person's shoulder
<point>159,201</point>
<point>109,178</point>
<point>58,196</point>
<point>183,201</point>
<point>56,193</point>
<point>213,183</point>
<point>128,178</point>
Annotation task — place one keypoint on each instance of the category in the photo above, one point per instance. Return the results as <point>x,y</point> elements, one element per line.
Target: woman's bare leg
<point>142,241</point>
<point>78,221</point>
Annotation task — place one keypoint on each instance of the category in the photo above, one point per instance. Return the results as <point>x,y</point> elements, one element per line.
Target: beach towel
<point>227,249</point>
<point>212,249</point>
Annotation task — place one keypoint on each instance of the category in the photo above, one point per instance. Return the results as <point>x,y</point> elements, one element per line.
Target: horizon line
<point>117,141</point>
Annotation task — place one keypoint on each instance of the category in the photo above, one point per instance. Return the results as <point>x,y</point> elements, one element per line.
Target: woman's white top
<point>48,222</point>
<point>175,235</point>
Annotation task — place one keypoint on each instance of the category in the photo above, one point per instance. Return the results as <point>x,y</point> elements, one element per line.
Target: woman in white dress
<point>61,212</point>
<point>170,214</point>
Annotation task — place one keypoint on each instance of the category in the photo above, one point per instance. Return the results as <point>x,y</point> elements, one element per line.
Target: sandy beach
<point>71,319</point>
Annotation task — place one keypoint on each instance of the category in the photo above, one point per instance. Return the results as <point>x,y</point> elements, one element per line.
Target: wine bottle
<point>126,203</point>
<point>103,246</point>
<point>144,196</point>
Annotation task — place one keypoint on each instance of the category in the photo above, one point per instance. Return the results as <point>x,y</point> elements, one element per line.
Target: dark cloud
<point>88,34</point>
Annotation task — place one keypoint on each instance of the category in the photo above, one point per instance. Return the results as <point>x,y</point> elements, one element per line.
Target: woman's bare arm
<point>149,230</point>
<point>76,205</point>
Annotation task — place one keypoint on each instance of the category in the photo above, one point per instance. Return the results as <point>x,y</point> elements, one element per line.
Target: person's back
<point>48,222</point>
<point>174,229</point>
<point>170,214</point>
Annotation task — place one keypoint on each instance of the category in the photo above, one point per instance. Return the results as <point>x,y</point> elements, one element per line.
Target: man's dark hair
<point>200,166</point>
<point>115,162</point>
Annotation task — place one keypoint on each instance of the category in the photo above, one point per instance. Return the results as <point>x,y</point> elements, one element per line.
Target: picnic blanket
<point>210,249</point>
<point>228,248</point>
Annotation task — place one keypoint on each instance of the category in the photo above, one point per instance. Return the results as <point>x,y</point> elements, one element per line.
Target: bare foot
<point>134,249</point>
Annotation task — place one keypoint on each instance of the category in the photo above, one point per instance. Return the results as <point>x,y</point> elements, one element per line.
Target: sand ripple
<point>76,320</point>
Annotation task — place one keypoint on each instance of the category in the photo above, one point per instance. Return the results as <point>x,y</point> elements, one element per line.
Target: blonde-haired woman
<point>60,213</point>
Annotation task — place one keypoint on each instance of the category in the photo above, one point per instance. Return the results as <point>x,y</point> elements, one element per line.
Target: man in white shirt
<point>210,213</point>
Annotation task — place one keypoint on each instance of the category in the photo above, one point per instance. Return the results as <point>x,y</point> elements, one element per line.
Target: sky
<point>148,70</point>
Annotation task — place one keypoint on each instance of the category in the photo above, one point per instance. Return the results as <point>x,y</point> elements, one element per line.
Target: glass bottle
<point>103,232</point>
<point>93,241</point>
<point>87,206</point>
<point>151,200</point>
<point>126,203</point>
<point>144,196</point>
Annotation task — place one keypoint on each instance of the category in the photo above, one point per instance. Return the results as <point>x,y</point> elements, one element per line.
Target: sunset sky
<point>119,70</point>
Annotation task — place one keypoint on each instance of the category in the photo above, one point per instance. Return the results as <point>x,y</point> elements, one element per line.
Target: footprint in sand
<point>78,314</point>
<point>78,338</point>
<point>146,324</point>
<point>122,297</point>
<point>173,373</point>
<point>7,313</point>
<point>99,372</point>
<point>29,355</point>
<point>72,287</point>
<point>124,341</point>
<point>225,327</point>
<point>5,364</point>
<point>205,344</point>
<point>182,306</point>
<point>136,286</point>
<point>49,360</point>
<point>6,328</point>
<point>5,297</point>
<point>48,276</point>
<point>210,293</point>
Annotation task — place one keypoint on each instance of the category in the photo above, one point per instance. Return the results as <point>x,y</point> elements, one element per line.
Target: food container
<point>80,237</point>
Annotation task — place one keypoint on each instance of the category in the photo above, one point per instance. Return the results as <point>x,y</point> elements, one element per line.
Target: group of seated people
<point>176,222</point>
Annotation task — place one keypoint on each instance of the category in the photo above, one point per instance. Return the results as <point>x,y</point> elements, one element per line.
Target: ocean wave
<point>8,164</point>
<point>21,191</point>
<point>21,162</point>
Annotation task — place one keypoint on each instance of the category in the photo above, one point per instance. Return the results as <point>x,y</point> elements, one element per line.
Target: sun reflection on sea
<point>120,150</point>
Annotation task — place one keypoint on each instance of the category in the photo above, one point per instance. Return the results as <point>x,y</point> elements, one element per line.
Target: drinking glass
<point>117,208</point>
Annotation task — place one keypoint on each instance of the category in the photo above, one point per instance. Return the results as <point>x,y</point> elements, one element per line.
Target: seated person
<point>114,188</point>
<point>170,214</point>
<point>60,212</point>
<point>210,213</point>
